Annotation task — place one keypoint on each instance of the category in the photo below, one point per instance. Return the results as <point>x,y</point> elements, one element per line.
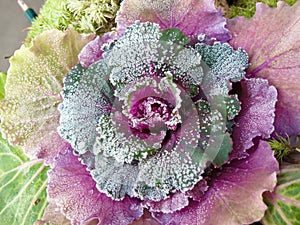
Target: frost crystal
<point>147,119</point>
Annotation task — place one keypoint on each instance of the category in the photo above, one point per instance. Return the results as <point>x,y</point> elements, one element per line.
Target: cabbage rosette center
<point>154,113</point>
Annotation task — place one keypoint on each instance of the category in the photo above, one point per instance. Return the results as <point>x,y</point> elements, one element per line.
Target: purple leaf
<point>256,116</point>
<point>272,41</point>
<point>175,202</point>
<point>53,215</point>
<point>74,191</point>
<point>146,219</point>
<point>192,17</point>
<point>93,51</point>
<point>235,193</point>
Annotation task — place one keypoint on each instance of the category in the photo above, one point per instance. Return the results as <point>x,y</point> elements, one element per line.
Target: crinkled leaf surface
<point>34,82</point>
<point>22,186</point>
<point>146,219</point>
<point>192,17</point>
<point>272,40</point>
<point>284,202</point>
<point>87,95</point>
<point>175,202</point>
<point>53,216</point>
<point>225,64</point>
<point>2,83</point>
<point>93,51</point>
<point>235,193</point>
<point>256,116</point>
<point>72,188</point>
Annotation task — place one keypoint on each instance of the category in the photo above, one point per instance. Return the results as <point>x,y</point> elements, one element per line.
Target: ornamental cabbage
<point>163,121</point>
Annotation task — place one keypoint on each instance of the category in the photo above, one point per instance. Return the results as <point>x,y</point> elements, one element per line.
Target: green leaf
<point>2,84</point>
<point>22,186</point>
<point>174,35</point>
<point>29,114</point>
<point>284,202</point>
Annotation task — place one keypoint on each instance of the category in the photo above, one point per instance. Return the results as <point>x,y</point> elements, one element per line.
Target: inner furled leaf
<point>163,158</point>
<point>146,51</point>
<point>284,202</point>
<point>87,95</point>
<point>225,65</point>
<point>22,186</point>
<point>32,92</point>
<point>123,146</point>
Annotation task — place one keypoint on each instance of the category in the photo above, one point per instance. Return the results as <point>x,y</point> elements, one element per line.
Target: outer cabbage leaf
<point>235,193</point>
<point>34,82</point>
<point>93,51</point>
<point>53,216</point>
<point>75,192</point>
<point>146,219</point>
<point>272,39</point>
<point>256,116</point>
<point>192,17</point>
<point>284,202</point>
<point>22,186</point>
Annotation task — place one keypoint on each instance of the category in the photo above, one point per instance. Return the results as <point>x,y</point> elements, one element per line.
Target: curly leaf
<point>256,116</point>
<point>284,202</point>
<point>235,193</point>
<point>34,82</point>
<point>22,186</point>
<point>271,38</point>
<point>74,191</point>
<point>192,17</point>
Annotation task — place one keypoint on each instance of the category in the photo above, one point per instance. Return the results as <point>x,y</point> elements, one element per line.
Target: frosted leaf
<point>169,171</point>
<point>29,115</point>
<point>139,118</point>
<point>235,192</point>
<point>113,178</point>
<point>175,202</point>
<point>272,39</point>
<point>258,100</point>
<point>192,17</point>
<point>146,51</point>
<point>93,51</point>
<point>163,168</point>
<point>133,53</point>
<point>123,146</point>
<point>74,191</point>
<point>87,95</point>
<point>215,121</point>
<point>225,65</point>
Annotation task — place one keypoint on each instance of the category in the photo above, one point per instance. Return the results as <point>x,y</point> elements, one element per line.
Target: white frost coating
<point>141,52</point>
<point>87,96</point>
<point>150,78</point>
<point>122,146</point>
<point>225,65</point>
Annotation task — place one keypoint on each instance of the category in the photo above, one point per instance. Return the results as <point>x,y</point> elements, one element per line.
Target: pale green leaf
<point>22,186</point>
<point>2,84</point>
<point>284,202</point>
<point>32,92</point>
